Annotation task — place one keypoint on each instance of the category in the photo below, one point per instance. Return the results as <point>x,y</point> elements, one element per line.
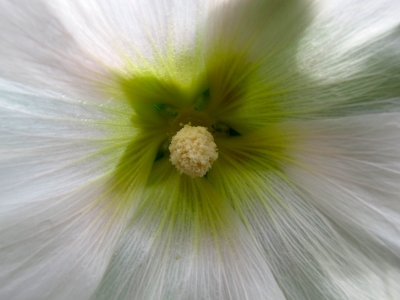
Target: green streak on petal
<point>178,203</point>
<point>132,171</point>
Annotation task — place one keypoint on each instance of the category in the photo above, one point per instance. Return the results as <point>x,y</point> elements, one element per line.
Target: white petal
<point>45,137</point>
<point>338,42</point>
<point>37,50</point>
<point>165,256</point>
<point>350,167</point>
<point>120,30</point>
<point>310,255</point>
<point>56,235</point>
<point>58,248</point>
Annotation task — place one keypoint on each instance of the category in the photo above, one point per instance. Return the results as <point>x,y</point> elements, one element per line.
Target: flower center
<point>193,151</point>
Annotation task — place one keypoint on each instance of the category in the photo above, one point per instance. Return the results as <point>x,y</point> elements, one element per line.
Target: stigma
<point>193,151</point>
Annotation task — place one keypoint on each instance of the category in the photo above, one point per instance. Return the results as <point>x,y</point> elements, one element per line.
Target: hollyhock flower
<point>205,149</point>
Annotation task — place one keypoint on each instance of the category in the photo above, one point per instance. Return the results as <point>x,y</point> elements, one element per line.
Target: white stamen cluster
<point>193,150</point>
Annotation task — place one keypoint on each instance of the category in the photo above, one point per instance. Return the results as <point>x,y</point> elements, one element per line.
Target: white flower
<point>294,109</point>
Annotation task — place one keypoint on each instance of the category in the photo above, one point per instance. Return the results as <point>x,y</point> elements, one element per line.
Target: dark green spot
<point>233,132</point>
<point>162,151</point>
<point>202,101</point>
<point>165,110</point>
<point>225,129</point>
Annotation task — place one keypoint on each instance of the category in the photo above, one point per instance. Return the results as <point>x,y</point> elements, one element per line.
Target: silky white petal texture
<point>58,248</point>
<point>313,259</point>
<point>171,269</point>
<point>311,253</point>
<point>164,256</point>
<point>326,68</point>
<point>350,169</point>
<point>36,50</point>
<point>333,47</point>
<point>123,31</point>
<point>57,235</point>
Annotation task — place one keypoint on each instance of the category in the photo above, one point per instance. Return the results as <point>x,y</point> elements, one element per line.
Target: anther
<point>193,151</point>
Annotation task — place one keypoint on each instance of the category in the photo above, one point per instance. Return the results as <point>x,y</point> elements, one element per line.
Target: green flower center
<point>224,94</point>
